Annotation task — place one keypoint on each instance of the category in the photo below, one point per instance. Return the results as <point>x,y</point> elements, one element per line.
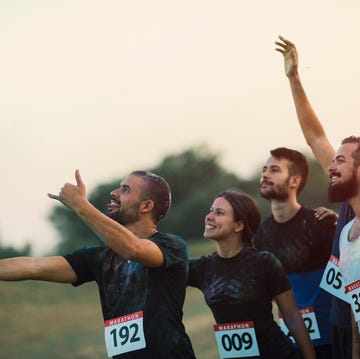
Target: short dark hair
<point>299,165</point>
<point>157,190</point>
<point>245,209</point>
<point>356,153</point>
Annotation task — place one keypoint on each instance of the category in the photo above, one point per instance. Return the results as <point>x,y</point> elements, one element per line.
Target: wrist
<point>81,207</point>
<point>293,76</point>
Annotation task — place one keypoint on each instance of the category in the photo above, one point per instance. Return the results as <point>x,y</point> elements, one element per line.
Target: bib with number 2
<point>310,321</point>
<point>124,334</point>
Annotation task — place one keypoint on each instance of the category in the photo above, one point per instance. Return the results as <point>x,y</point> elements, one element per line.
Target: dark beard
<point>281,193</point>
<point>278,195</point>
<point>126,216</point>
<point>340,192</point>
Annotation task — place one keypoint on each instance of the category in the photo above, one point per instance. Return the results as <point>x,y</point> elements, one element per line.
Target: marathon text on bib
<point>124,334</point>
<point>236,340</point>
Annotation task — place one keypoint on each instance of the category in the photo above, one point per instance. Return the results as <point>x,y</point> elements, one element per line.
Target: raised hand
<point>291,59</point>
<point>71,195</point>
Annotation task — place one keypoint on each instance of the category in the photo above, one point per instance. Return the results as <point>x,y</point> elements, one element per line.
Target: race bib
<point>236,340</point>
<point>124,334</point>
<point>353,292</point>
<point>310,321</point>
<point>332,280</point>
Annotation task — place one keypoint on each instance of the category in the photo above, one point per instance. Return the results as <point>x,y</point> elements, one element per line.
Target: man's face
<point>344,175</point>
<point>126,201</point>
<point>274,181</point>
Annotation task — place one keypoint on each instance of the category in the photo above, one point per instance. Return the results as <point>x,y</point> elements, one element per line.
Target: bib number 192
<point>124,334</point>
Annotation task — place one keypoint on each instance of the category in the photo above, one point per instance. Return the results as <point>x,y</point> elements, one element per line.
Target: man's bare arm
<point>312,129</point>
<point>52,269</point>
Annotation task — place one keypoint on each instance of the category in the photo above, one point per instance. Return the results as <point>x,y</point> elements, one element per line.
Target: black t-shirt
<point>240,289</point>
<point>127,287</point>
<point>302,244</point>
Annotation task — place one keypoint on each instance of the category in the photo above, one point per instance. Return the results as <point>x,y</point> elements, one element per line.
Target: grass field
<point>48,320</point>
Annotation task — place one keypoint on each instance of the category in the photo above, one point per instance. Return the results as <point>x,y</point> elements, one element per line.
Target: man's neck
<point>283,211</point>
<point>355,204</point>
<point>141,229</point>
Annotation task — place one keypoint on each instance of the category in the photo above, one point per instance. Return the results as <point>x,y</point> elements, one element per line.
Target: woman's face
<point>219,223</point>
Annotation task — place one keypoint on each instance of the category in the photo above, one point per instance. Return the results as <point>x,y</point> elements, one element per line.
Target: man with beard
<point>301,241</point>
<point>324,152</point>
<point>344,185</point>
<point>141,273</point>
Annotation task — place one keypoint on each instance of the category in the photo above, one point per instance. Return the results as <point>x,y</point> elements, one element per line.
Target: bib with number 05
<point>236,340</point>
<point>332,280</point>
<point>124,334</point>
<point>353,292</point>
<point>310,321</point>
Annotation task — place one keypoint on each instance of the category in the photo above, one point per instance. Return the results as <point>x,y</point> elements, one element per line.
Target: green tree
<point>195,177</point>
<point>8,252</point>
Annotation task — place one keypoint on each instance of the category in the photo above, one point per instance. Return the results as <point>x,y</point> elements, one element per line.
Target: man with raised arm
<point>316,137</point>
<point>141,273</point>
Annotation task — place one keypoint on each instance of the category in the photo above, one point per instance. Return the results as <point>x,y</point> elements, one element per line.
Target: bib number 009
<point>124,334</point>
<point>236,340</point>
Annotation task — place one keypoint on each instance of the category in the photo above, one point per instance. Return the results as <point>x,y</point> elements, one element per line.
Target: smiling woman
<point>239,283</point>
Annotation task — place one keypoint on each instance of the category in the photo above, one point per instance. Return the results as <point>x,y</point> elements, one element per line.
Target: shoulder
<point>168,239</point>
<point>167,236</point>
<point>264,226</point>
<point>347,227</point>
<point>88,251</point>
<point>308,214</point>
<point>204,259</point>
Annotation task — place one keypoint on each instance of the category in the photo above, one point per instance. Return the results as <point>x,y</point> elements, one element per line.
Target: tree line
<point>195,177</point>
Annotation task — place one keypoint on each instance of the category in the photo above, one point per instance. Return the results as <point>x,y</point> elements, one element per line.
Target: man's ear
<point>295,181</point>
<point>147,206</point>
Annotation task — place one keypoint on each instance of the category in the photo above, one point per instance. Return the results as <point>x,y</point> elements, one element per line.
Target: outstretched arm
<point>293,320</point>
<point>52,269</point>
<point>312,129</point>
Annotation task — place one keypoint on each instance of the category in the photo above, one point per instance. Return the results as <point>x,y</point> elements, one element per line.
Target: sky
<point>112,86</point>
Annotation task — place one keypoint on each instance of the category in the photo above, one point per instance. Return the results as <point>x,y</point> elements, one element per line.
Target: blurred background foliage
<point>195,176</point>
